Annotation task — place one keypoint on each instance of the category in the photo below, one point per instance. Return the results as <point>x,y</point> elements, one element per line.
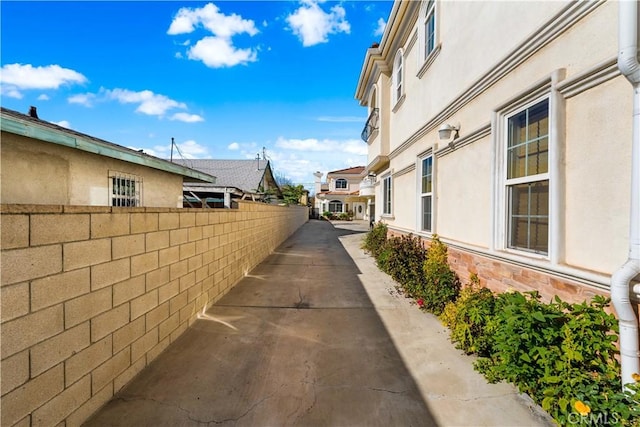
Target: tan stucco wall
<point>598,170</point>
<point>91,295</point>
<point>594,138</point>
<point>36,172</point>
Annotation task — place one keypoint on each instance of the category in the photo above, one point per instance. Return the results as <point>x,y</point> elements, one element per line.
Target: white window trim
<point>420,194</point>
<point>424,59</point>
<point>384,205</point>
<point>335,184</point>
<point>545,88</point>
<point>136,197</point>
<point>398,70</point>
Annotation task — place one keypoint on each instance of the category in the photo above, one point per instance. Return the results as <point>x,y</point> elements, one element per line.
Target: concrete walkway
<point>316,336</point>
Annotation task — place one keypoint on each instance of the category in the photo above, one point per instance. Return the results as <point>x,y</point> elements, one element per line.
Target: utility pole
<point>171,149</point>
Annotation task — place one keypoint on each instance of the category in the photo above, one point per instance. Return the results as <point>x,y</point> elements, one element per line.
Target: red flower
<point>420,302</point>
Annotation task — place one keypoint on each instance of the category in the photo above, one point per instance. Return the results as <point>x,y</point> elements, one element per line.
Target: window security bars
<point>125,189</point>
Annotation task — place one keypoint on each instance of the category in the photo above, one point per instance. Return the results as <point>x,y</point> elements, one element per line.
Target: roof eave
<point>59,137</point>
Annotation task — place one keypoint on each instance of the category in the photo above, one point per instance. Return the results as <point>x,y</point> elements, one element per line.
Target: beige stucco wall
<point>91,295</point>
<point>594,136</point>
<point>598,183</point>
<point>36,172</point>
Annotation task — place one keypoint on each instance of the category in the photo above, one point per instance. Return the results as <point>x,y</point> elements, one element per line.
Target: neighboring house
<point>341,192</point>
<point>236,179</point>
<point>43,163</point>
<point>506,129</point>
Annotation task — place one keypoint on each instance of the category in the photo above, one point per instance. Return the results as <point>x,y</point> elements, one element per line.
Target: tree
<point>292,193</point>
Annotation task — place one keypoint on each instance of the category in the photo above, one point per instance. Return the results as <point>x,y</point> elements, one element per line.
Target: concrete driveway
<point>315,336</point>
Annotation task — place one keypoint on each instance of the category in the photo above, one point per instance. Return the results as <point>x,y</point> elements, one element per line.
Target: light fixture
<point>445,130</point>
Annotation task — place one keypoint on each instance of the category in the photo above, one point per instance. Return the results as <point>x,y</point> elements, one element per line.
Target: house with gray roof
<point>242,179</point>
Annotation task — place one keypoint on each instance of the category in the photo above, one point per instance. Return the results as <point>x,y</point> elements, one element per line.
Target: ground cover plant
<point>563,355</point>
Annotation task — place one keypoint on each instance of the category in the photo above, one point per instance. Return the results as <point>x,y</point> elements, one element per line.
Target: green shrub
<point>467,318</point>
<point>559,354</point>
<point>402,259</point>
<point>375,239</point>
<point>441,284</point>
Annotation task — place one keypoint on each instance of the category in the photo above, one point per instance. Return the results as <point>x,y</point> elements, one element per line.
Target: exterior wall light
<point>444,133</point>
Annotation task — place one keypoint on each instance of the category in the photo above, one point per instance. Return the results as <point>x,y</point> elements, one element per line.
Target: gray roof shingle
<point>245,175</point>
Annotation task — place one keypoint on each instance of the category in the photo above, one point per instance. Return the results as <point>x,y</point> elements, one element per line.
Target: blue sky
<point>223,78</point>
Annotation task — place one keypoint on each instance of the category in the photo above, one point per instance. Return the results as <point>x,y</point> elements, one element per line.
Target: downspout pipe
<point>621,280</point>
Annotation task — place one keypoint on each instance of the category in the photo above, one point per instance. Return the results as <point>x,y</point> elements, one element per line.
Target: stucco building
<point>341,192</point>
<point>506,128</point>
<point>529,180</point>
<point>46,164</point>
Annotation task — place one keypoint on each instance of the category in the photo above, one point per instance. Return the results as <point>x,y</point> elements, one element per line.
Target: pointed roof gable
<point>246,175</point>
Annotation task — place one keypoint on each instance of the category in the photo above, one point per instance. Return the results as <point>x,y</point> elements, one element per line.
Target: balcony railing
<point>367,186</point>
<point>370,126</point>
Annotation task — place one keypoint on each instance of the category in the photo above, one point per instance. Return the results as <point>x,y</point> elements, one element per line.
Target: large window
<point>398,65</point>
<point>426,193</point>
<point>527,179</point>
<point>125,189</point>
<point>335,206</point>
<point>341,184</point>
<point>428,22</point>
<point>386,195</point>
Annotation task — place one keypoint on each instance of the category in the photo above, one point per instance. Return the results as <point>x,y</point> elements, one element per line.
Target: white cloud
<point>189,149</point>
<point>29,77</point>
<point>85,99</point>
<point>63,123</point>
<point>15,78</point>
<point>148,102</point>
<point>313,25</point>
<point>234,146</point>
<point>380,28</point>
<point>187,118</point>
<point>217,50</point>
<point>43,97</point>
<point>351,146</point>
<point>212,19</point>
<point>10,92</point>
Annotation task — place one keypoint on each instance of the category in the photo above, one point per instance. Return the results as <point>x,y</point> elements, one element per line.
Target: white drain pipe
<point>621,279</point>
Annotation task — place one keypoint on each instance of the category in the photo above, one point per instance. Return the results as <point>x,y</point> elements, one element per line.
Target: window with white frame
<point>125,189</point>
<point>335,206</point>
<point>427,28</point>
<point>341,184</point>
<point>386,195</point>
<point>398,65</point>
<point>527,178</point>
<point>426,193</point>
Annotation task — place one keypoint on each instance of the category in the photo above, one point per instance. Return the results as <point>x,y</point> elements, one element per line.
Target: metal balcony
<point>370,126</point>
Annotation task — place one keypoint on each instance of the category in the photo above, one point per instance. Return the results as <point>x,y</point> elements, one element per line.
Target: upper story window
<point>125,189</point>
<point>398,76</point>
<point>527,178</point>
<point>427,35</point>
<point>341,184</point>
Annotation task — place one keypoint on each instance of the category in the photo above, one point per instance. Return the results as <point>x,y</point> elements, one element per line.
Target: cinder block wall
<point>91,295</point>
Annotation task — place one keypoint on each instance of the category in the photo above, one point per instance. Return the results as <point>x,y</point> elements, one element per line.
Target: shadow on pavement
<point>296,342</point>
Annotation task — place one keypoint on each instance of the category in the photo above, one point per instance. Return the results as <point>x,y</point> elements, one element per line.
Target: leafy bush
<point>558,353</point>
<point>402,259</point>
<point>467,318</point>
<point>441,284</point>
<point>375,239</point>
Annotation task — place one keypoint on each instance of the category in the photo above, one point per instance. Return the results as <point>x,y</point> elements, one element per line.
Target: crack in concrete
<point>301,302</point>
<point>469,399</point>
<point>188,413</point>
